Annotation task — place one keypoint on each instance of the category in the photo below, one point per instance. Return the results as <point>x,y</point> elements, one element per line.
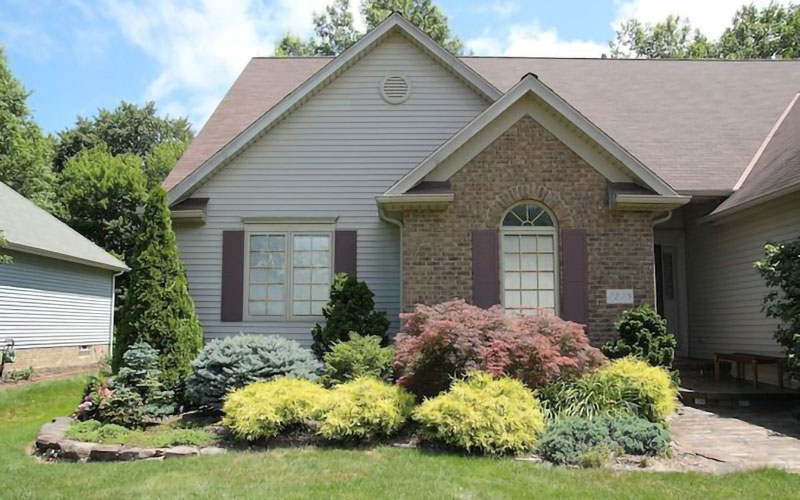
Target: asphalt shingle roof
<point>28,228</point>
<point>697,124</point>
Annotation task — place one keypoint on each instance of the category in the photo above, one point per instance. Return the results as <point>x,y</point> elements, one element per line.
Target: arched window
<point>529,262</point>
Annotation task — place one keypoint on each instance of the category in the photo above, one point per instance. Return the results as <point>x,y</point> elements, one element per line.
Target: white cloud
<point>200,47</point>
<point>499,8</point>
<point>533,41</point>
<point>711,17</point>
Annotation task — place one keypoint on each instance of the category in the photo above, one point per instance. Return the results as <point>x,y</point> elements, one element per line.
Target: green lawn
<point>319,473</point>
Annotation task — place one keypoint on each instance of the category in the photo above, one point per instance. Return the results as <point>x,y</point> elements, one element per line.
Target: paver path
<point>727,439</point>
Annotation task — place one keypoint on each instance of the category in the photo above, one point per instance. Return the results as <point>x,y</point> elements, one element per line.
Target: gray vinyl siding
<point>51,303</point>
<point>725,291</point>
<point>331,157</point>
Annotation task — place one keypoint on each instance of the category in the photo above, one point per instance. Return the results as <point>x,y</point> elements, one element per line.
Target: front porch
<point>699,387</point>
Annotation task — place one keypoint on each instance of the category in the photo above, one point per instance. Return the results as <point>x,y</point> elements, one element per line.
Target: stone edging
<point>52,444</point>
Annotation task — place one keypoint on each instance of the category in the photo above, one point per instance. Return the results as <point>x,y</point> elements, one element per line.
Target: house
<point>582,186</point>
<point>57,294</point>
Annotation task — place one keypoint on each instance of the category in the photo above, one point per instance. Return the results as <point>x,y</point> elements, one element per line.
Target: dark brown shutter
<point>346,252</point>
<point>575,277</point>
<point>485,267</point>
<point>232,275</point>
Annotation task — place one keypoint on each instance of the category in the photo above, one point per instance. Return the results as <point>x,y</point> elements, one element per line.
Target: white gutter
<point>388,199</point>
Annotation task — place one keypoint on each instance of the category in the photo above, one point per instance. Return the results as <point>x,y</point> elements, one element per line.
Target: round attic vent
<point>395,89</point>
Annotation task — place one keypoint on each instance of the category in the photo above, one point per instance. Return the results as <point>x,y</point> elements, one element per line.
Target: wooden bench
<point>753,360</point>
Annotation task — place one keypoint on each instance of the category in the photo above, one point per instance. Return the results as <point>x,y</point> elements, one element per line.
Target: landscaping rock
<point>76,450</point>
<point>181,452</point>
<point>105,452</point>
<point>52,433</point>
<point>137,453</point>
<point>213,450</point>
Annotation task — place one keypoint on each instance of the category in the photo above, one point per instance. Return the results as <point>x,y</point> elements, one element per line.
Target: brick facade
<point>527,163</point>
<point>53,360</point>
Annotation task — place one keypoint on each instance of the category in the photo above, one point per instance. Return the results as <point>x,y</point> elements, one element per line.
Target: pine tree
<point>158,308</point>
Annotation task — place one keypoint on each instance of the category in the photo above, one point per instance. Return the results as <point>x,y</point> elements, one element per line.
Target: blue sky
<point>79,55</point>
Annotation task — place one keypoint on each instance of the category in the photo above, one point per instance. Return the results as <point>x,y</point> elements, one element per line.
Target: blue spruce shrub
<point>231,363</point>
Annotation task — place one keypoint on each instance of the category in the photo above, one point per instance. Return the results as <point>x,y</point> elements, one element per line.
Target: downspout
<point>113,304</point>
<point>663,219</point>
<point>399,224</point>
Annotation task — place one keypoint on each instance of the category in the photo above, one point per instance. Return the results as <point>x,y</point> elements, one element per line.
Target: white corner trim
<point>321,78</point>
<point>764,144</point>
<point>531,84</point>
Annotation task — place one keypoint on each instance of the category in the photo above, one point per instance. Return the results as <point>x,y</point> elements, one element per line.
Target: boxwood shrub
<point>264,409</point>
<point>365,408</point>
<point>483,414</point>
<point>231,363</point>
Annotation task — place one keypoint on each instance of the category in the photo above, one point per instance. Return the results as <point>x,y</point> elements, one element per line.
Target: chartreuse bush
<point>656,388</point>
<point>234,362</point>
<point>482,413</point>
<point>264,409</point>
<point>627,386</point>
<point>582,441</point>
<point>365,408</point>
<point>158,308</point>
<point>358,357</point>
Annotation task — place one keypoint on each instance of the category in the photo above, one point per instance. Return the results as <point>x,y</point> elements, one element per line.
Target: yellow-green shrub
<point>363,408</point>
<point>264,409</point>
<point>654,383</point>
<point>491,415</point>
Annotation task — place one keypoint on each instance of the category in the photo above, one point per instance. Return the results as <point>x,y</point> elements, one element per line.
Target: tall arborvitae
<point>158,308</point>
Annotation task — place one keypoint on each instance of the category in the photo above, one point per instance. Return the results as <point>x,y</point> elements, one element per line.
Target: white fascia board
<point>322,78</point>
<point>68,258</point>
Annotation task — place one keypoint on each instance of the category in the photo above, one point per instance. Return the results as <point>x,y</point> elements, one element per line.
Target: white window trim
<point>289,231</point>
<point>532,230</point>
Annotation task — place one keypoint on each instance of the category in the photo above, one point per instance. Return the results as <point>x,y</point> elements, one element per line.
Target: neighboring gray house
<point>57,295</point>
<point>577,185</point>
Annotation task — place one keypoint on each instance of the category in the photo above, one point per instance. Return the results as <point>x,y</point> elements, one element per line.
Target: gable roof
<point>27,228</point>
<point>530,85</point>
<point>395,23</point>
<point>775,170</point>
<point>696,124</point>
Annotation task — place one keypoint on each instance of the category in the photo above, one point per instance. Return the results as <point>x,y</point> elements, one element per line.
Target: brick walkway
<point>727,440</point>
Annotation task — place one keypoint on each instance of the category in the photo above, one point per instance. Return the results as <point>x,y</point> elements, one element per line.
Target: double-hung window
<point>288,270</point>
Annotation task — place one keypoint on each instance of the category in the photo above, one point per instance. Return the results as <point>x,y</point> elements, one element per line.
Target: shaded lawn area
<point>381,472</point>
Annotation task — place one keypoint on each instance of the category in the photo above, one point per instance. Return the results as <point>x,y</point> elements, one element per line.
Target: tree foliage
<point>767,33</point>
<point>100,193</point>
<point>158,308</point>
<point>4,259</point>
<point>780,268</point>
<point>351,309</point>
<point>25,153</point>
<point>127,129</point>
<point>335,29</point>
